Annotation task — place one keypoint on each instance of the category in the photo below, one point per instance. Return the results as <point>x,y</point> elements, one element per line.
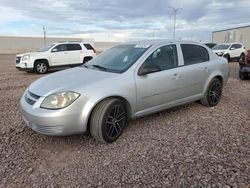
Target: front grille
<point>31,98</point>
<point>18,60</point>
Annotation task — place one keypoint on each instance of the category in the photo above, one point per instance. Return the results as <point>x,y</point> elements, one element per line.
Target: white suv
<point>230,50</point>
<point>65,54</point>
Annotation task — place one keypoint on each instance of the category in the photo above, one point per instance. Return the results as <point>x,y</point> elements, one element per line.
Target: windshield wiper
<point>86,66</point>
<point>100,67</point>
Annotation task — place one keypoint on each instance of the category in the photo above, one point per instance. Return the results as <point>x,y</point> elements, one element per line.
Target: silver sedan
<point>127,81</point>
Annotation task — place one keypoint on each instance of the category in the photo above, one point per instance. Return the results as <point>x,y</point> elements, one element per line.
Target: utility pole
<point>175,10</point>
<point>44,35</point>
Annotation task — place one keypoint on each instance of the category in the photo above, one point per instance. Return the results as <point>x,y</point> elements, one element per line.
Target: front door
<point>59,55</point>
<point>161,84</point>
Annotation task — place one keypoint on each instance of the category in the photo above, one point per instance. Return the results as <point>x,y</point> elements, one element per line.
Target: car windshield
<point>118,59</point>
<point>221,47</point>
<point>46,48</point>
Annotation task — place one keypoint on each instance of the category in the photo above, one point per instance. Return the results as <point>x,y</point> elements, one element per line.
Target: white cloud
<point>122,20</point>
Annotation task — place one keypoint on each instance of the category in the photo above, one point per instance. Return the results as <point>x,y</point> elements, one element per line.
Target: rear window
<point>88,46</point>
<point>194,54</point>
<point>73,47</point>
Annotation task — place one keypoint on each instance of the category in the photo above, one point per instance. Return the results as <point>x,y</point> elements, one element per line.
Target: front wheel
<point>213,94</point>
<point>108,120</point>
<point>41,67</point>
<point>241,75</point>
<point>227,57</point>
<point>242,57</point>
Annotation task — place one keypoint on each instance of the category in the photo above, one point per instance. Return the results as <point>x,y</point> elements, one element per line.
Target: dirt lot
<point>188,146</point>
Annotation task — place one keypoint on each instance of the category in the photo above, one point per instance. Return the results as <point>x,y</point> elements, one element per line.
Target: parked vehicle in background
<point>210,45</point>
<point>230,51</point>
<point>244,71</point>
<point>63,54</point>
<point>127,81</point>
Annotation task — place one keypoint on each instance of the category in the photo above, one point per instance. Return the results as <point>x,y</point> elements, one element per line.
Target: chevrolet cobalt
<point>127,81</point>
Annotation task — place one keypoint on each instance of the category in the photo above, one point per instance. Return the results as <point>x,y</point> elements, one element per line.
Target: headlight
<point>25,57</point>
<point>59,100</point>
<point>220,53</point>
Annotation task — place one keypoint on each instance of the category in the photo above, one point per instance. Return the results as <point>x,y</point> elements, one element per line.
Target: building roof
<point>232,28</point>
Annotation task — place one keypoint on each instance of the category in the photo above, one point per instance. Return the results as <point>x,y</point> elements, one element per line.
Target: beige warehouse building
<point>239,34</point>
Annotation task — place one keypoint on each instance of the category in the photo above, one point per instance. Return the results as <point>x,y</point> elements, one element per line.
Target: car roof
<point>72,42</point>
<point>230,43</point>
<point>160,41</point>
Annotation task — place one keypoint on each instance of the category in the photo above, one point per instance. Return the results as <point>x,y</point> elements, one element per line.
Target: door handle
<point>177,76</point>
<point>66,52</point>
<point>206,69</point>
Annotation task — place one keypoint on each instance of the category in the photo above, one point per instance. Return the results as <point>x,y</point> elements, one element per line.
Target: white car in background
<point>230,50</point>
<point>64,54</point>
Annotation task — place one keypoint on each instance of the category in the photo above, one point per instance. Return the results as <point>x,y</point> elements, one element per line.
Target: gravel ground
<point>188,146</point>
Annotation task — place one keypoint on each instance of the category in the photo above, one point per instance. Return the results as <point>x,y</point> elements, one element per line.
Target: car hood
<point>74,79</point>
<point>30,53</point>
<point>219,51</point>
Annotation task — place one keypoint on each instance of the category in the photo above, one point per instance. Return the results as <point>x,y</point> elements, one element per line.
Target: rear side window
<point>194,54</point>
<point>73,47</point>
<point>88,46</point>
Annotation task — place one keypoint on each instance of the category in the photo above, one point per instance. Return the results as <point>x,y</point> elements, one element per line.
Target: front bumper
<point>68,121</point>
<point>23,65</point>
<point>24,69</point>
<point>220,54</point>
<point>245,69</point>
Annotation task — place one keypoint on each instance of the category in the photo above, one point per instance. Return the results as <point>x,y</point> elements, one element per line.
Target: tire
<point>41,67</point>
<point>241,75</point>
<point>86,59</point>
<point>242,57</point>
<point>213,93</point>
<point>227,56</point>
<point>108,120</point>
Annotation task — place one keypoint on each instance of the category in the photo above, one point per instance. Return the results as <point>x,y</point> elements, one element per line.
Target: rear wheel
<point>41,67</point>
<point>86,59</point>
<point>108,120</point>
<point>213,94</point>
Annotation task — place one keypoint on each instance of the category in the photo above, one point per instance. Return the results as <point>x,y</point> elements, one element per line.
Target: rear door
<point>59,55</point>
<point>195,70</point>
<point>74,53</point>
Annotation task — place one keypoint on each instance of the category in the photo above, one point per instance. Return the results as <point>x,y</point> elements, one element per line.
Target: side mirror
<point>54,50</point>
<point>148,70</point>
<point>232,48</point>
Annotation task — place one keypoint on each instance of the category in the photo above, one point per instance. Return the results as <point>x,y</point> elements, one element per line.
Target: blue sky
<point>121,20</point>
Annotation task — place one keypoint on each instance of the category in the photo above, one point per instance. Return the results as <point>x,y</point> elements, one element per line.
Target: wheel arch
<point>218,76</point>
<point>89,57</point>
<point>41,59</point>
<point>124,100</point>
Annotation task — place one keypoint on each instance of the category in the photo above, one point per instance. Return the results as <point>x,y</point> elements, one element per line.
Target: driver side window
<point>163,58</point>
<point>60,48</point>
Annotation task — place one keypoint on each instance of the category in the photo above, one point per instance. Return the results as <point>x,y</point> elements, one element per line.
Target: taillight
<point>94,50</point>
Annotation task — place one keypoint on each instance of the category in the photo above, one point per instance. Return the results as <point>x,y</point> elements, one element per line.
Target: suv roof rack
<point>69,41</point>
